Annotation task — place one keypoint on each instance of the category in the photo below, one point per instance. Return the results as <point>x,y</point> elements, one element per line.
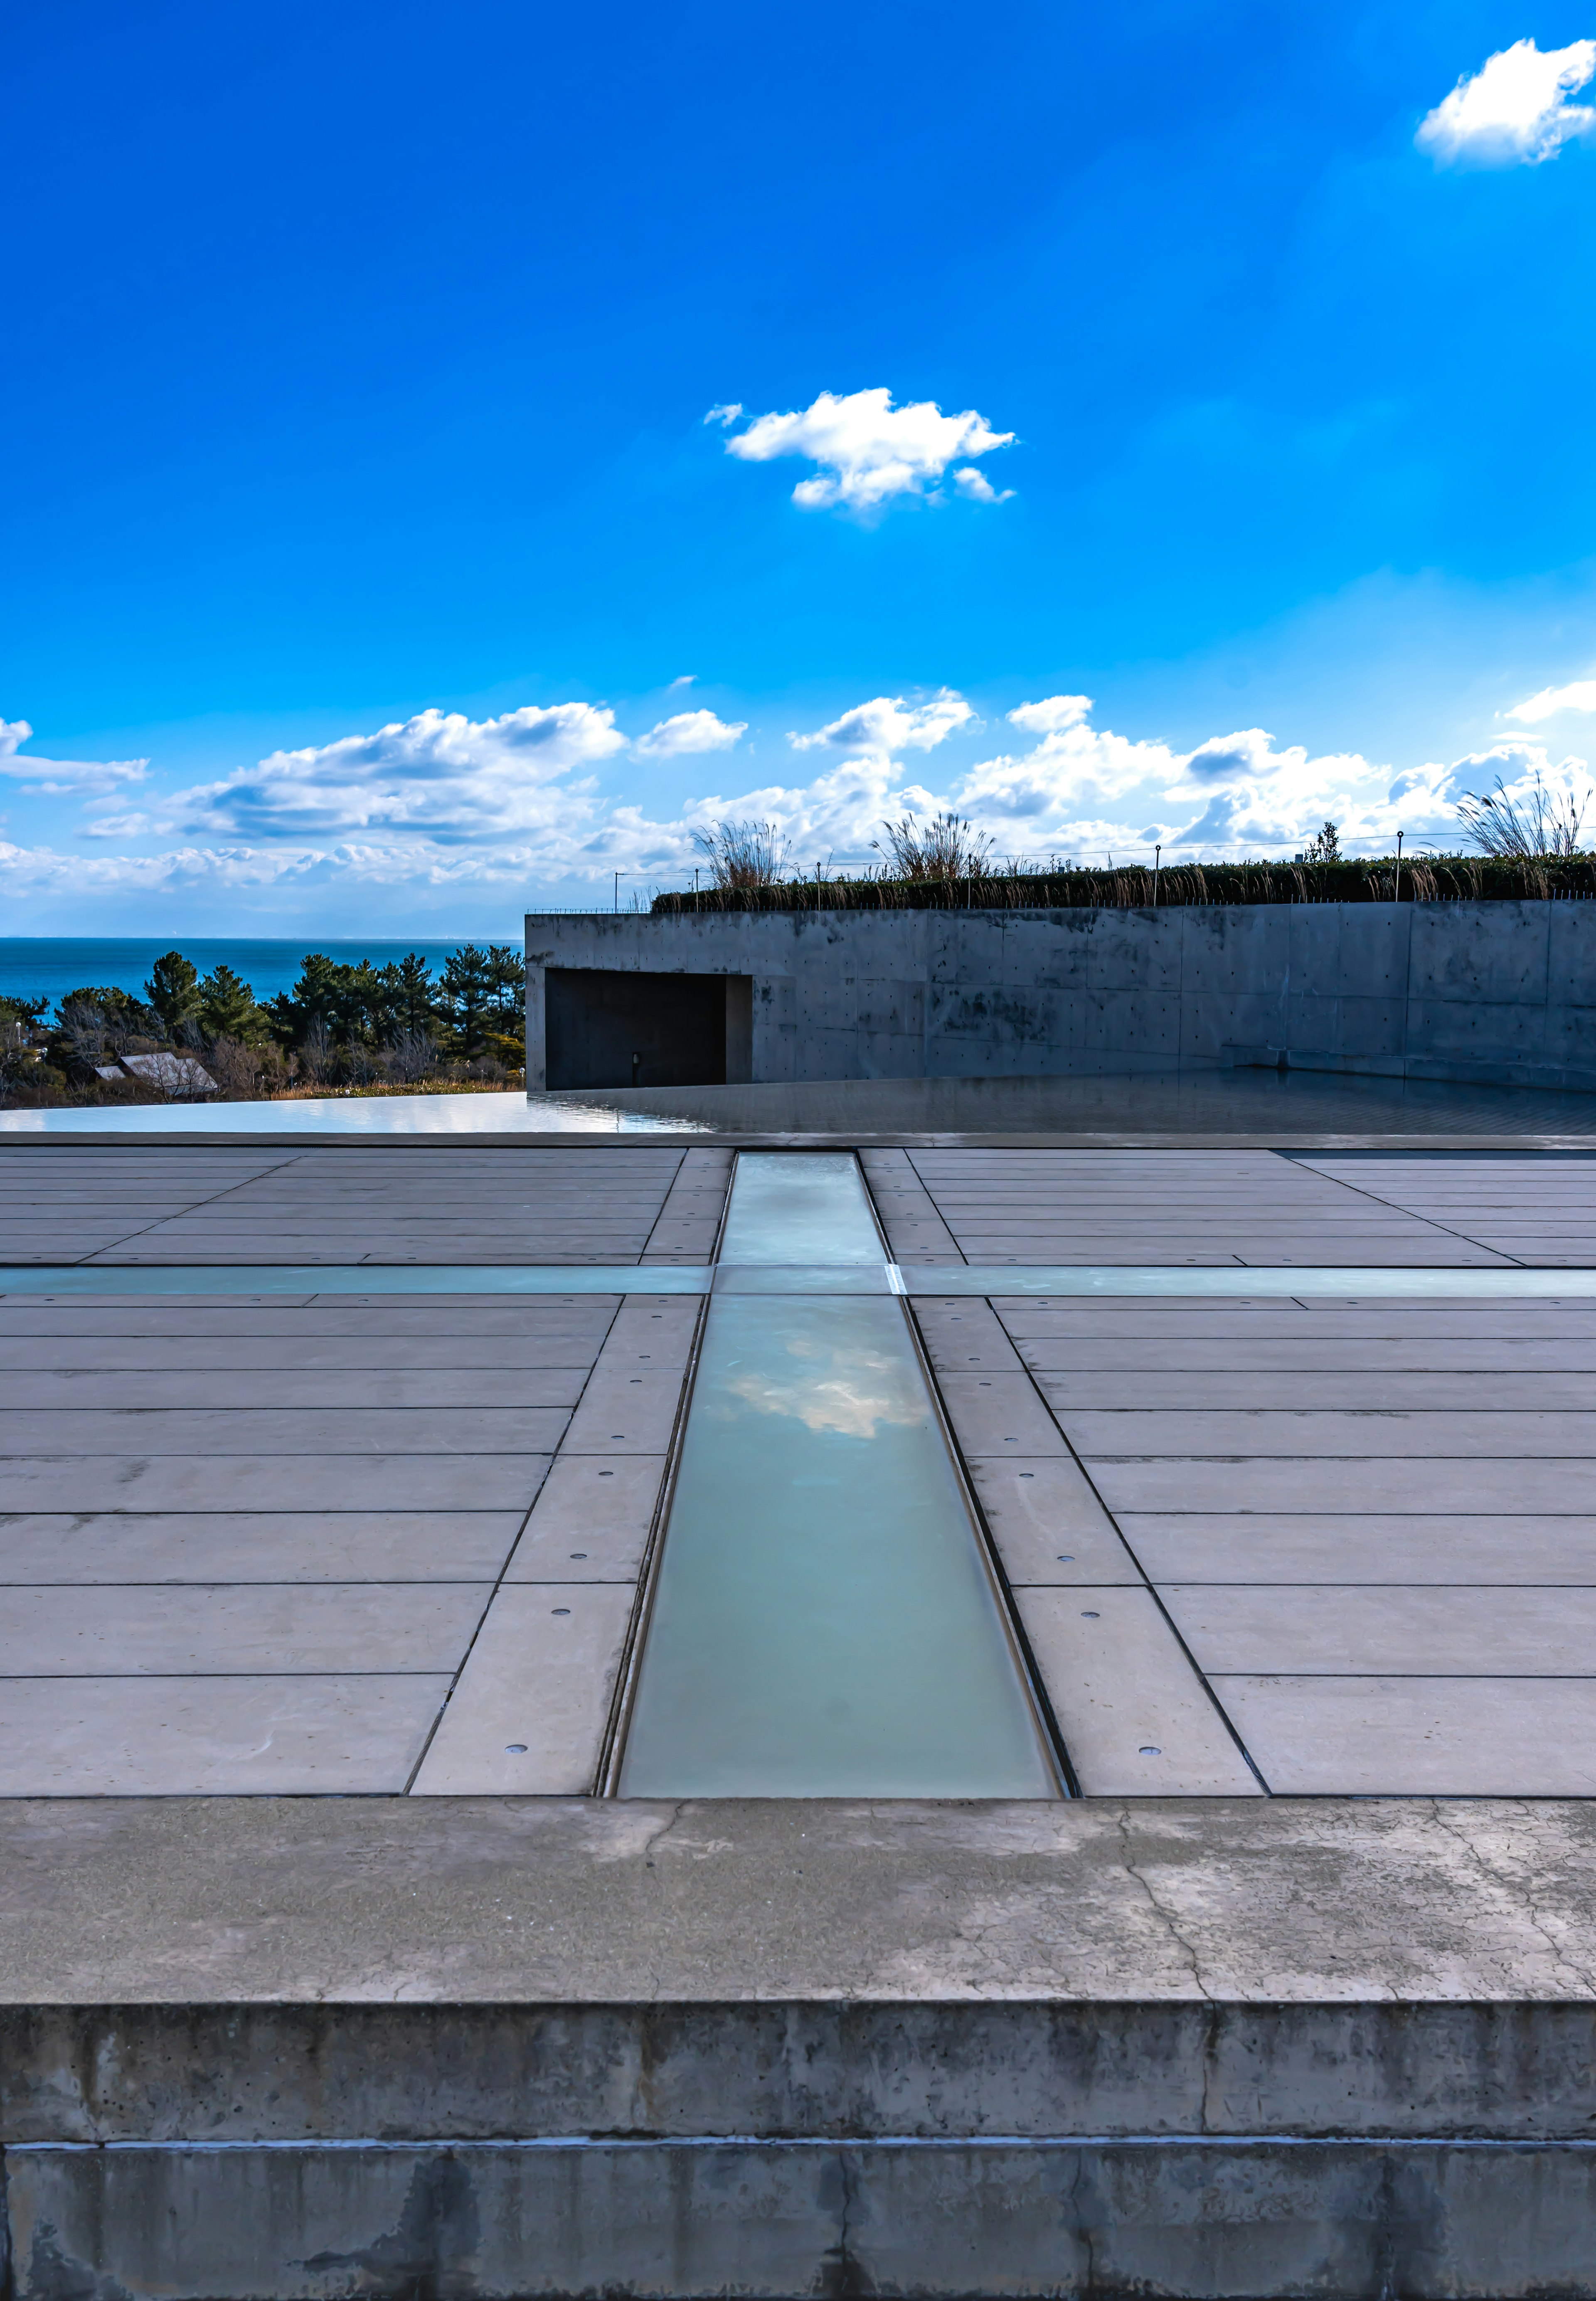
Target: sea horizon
<point>48,967</point>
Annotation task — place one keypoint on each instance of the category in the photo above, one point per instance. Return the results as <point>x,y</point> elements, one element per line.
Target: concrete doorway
<point>609,1029</point>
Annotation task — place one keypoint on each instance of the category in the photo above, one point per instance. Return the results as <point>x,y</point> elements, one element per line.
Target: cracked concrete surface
<point>1239,1901</point>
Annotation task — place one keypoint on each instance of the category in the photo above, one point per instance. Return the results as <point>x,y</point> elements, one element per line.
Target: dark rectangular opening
<point>611,1029</point>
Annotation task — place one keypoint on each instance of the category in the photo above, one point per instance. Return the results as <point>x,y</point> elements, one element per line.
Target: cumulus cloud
<point>1514,763</point>
<point>1074,768</point>
<point>440,801</point>
<point>886,723</point>
<point>868,450</point>
<point>1514,110</point>
<point>689,730</point>
<point>1579,695</point>
<point>440,775</point>
<point>1051,715</point>
<point>59,777</point>
<point>977,487</point>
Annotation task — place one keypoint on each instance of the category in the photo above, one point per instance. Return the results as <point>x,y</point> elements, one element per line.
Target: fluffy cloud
<point>869,451</point>
<point>886,723</point>
<point>1515,111</point>
<point>976,487</point>
<point>58,776</point>
<point>1087,791</point>
<point>1579,695</point>
<point>687,731</point>
<point>515,802</point>
<point>439,775</point>
<point>1052,716</point>
<point>1074,766</point>
<point>1515,764</point>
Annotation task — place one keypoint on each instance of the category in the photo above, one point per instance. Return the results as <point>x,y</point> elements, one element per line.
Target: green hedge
<point>1425,879</point>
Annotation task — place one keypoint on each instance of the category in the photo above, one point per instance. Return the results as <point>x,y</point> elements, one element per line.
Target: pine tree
<point>408,995</point>
<point>173,991</point>
<point>227,1007</point>
<point>466,996</point>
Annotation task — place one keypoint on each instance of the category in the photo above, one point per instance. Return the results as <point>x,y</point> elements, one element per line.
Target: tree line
<point>342,1021</point>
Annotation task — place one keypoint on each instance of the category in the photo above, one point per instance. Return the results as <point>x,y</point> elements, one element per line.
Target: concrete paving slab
<point>1196,1546</point>
<point>1235,1322</point>
<point>528,1715</point>
<point>626,1414</point>
<point>591,1520</point>
<point>969,1335</point>
<point>213,1737</point>
<point>1309,1432</point>
<point>1135,1716</point>
<point>651,1331</point>
<point>351,1386</point>
<point>998,1415</point>
<point>1393,1630</point>
<point>440,1321</point>
<point>1571,1358</point>
<point>1047,1523</point>
<point>384,1431</point>
<point>103,1630</point>
<point>262,1545</point>
<point>1429,1483</point>
<point>1376,1390</point>
<point>1468,1738</point>
<point>446,1357</point>
<point>281,1482</point>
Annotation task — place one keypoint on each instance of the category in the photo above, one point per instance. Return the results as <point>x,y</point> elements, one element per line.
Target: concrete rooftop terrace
<point>1289,1543</point>
<point>1308,1583</point>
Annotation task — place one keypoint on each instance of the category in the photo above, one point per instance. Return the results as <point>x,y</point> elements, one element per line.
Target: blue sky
<point>364,527</point>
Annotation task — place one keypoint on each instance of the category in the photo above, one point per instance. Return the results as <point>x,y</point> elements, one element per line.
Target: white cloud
<point>1051,715</point>
<point>439,775</point>
<point>977,487</point>
<point>441,801</point>
<point>1514,110</point>
<point>689,730</point>
<point>43,870</point>
<point>59,777</point>
<point>868,451</point>
<point>1518,763</point>
<point>1074,766</point>
<point>1579,695</point>
<point>886,723</point>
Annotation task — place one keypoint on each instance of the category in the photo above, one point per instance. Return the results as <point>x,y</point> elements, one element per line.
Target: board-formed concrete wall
<point>1499,993</point>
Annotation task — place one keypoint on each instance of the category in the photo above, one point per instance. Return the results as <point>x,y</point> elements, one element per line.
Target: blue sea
<point>48,967</point>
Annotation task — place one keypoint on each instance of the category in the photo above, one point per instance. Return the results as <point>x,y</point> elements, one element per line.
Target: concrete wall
<point>1496,993</point>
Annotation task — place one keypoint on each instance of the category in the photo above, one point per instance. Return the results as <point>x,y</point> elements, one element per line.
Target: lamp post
<point>1158,853</point>
<point>1397,889</point>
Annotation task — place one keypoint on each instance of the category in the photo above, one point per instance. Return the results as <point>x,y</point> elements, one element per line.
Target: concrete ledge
<point>1099,2220</point>
<point>564,1902</point>
<point>285,2047</point>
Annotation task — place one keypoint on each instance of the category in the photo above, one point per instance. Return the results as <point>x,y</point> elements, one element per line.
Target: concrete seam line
<point>936,2143</point>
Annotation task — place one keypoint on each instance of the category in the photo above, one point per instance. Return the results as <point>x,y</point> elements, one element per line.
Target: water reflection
<point>824,1624</point>
<point>848,1385</point>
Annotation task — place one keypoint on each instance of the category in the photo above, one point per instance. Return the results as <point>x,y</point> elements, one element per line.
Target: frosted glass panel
<point>824,1624</point>
<point>801,1206</point>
